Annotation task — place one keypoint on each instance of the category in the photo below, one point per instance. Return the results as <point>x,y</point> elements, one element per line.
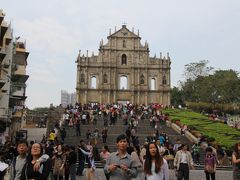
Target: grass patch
<point>222,133</point>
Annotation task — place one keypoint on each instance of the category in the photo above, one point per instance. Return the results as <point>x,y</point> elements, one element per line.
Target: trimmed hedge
<point>213,130</point>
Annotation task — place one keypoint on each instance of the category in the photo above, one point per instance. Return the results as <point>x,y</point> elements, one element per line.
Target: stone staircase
<point>143,130</point>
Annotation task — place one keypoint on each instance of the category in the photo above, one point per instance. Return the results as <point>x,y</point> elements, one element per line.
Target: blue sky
<point>55,30</point>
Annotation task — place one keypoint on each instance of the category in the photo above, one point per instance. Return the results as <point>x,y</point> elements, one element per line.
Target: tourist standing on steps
<point>59,160</point>
<point>196,153</point>
<point>183,162</point>
<point>19,162</point>
<point>63,134</point>
<point>29,171</point>
<point>120,165</point>
<point>72,163</point>
<point>177,145</point>
<point>90,174</point>
<point>104,135</point>
<point>104,155</point>
<point>210,163</point>
<point>77,125</point>
<point>81,158</point>
<point>52,136</point>
<point>236,161</point>
<point>155,167</point>
<point>136,157</point>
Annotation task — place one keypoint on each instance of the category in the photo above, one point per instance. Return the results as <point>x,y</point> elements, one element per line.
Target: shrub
<point>174,120</point>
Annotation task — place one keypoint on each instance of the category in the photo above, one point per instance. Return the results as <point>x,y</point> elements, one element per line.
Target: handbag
<point>208,168</point>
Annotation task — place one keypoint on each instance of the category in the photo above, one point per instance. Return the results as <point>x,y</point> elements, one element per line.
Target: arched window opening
<point>124,43</point>
<point>124,59</point>
<point>123,82</point>
<point>153,84</point>
<point>142,79</point>
<point>105,78</point>
<point>82,77</point>
<point>164,80</point>
<point>93,82</point>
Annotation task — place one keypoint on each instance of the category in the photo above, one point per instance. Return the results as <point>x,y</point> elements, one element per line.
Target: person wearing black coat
<point>29,172</point>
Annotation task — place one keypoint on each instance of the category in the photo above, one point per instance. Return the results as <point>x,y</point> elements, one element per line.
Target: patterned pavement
<point>194,175</point>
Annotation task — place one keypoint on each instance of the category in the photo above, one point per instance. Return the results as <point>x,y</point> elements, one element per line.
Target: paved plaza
<point>36,134</point>
<point>194,175</point>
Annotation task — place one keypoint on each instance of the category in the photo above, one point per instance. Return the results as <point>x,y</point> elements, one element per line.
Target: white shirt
<point>183,158</point>
<point>163,174</point>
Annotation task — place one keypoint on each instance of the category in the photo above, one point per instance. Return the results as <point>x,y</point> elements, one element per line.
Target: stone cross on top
<point>124,24</point>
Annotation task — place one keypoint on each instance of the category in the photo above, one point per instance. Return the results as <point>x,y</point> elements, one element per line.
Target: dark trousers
<point>183,171</point>
<point>78,132</point>
<point>80,167</point>
<point>104,138</point>
<point>57,177</point>
<point>210,174</point>
<point>72,170</point>
<point>66,172</point>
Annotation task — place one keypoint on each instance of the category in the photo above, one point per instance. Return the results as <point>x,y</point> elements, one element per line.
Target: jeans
<point>72,169</point>
<point>80,167</point>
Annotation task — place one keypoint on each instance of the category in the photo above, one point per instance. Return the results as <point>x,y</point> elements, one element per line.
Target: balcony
<point>21,54</point>
<point>21,78</point>
<point>18,97</point>
<point>4,28</point>
<point>8,39</point>
<point>3,112</point>
<point>2,83</point>
<point>2,55</point>
<point>1,16</point>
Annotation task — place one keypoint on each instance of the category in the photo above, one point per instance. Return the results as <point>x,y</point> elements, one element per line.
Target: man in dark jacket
<point>81,158</point>
<point>72,163</point>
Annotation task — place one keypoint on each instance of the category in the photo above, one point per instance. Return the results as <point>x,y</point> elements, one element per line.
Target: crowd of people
<point>53,159</point>
<point>59,161</point>
<point>231,120</point>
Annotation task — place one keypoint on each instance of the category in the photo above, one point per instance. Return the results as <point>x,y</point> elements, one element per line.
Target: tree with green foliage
<point>219,88</point>
<point>176,97</point>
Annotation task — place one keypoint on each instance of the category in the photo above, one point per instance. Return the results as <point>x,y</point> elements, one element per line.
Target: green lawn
<point>222,133</point>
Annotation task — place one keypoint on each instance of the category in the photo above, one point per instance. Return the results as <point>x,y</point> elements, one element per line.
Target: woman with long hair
<point>236,161</point>
<point>29,172</point>
<point>59,159</point>
<point>155,167</point>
